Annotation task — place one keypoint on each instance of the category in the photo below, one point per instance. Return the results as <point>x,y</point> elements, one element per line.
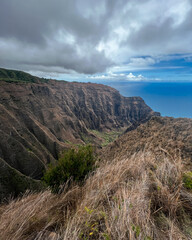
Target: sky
<point>103,40</point>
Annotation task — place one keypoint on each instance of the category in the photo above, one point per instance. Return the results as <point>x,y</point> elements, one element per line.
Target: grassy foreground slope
<point>141,195</point>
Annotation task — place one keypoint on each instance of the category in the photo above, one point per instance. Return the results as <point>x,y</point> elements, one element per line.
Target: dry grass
<point>141,197</point>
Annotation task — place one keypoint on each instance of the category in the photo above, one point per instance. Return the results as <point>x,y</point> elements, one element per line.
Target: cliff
<point>40,117</point>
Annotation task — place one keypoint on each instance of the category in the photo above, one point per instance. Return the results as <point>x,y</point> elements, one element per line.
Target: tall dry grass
<point>137,198</point>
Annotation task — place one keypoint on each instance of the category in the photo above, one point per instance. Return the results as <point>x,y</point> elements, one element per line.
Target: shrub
<point>187,180</point>
<point>74,164</point>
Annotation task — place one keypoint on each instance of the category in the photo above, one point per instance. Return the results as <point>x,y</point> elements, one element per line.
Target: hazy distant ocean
<point>170,99</point>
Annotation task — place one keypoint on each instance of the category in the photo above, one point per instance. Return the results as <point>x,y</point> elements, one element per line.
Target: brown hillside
<point>133,194</point>
<point>39,118</point>
<point>172,135</point>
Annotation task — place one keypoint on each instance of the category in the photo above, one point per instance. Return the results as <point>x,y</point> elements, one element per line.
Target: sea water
<point>170,99</point>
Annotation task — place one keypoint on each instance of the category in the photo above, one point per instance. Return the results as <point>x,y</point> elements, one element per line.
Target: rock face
<point>38,117</point>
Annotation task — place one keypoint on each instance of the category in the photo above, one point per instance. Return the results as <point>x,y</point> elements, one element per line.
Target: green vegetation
<point>119,201</point>
<point>29,150</point>
<point>73,164</point>
<point>92,226</point>
<point>187,180</point>
<point>107,137</point>
<point>137,230</point>
<point>18,76</point>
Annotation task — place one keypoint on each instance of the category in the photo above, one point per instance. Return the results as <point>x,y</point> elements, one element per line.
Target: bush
<point>187,180</point>
<point>74,164</point>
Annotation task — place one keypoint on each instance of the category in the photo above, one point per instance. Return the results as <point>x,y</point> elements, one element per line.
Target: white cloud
<point>118,77</point>
<point>132,77</point>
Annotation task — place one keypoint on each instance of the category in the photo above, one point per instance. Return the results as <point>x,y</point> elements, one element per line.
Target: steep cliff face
<point>38,118</point>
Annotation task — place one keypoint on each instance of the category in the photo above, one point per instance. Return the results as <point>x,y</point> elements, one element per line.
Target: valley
<point>141,185</point>
<point>39,118</point>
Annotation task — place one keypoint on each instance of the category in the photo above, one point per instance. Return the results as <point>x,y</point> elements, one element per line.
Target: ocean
<point>170,99</point>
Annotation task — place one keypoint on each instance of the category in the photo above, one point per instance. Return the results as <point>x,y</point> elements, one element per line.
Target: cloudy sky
<point>87,40</point>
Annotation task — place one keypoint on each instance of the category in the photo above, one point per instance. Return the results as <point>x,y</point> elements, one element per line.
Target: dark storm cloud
<point>34,21</point>
<point>56,55</point>
<point>52,33</point>
<point>89,36</point>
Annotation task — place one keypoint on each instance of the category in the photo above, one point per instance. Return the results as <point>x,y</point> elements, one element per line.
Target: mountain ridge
<point>168,134</point>
<point>40,119</point>
<point>9,75</point>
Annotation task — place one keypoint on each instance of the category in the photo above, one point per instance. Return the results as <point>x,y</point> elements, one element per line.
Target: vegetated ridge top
<point>19,76</point>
